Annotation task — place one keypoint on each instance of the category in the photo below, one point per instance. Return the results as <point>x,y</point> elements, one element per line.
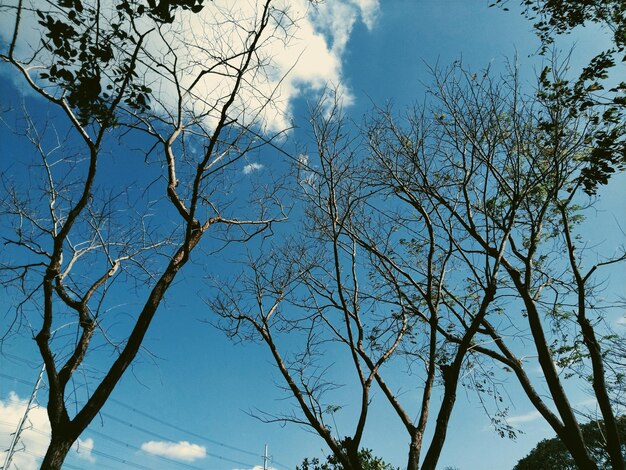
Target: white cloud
<point>250,167</point>
<point>304,53</point>
<point>524,418</point>
<point>83,449</point>
<point>35,435</point>
<point>303,160</point>
<point>306,176</point>
<point>305,56</point>
<point>183,450</point>
<point>369,11</point>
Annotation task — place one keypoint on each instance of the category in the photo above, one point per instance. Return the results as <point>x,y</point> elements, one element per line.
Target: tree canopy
<point>599,90</point>
<point>427,235</point>
<point>78,233</point>
<point>551,454</point>
<point>368,462</point>
<point>437,247</point>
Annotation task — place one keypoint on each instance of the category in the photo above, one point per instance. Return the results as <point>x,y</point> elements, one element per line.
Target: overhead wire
<point>177,428</point>
<point>115,458</point>
<point>157,435</point>
<point>169,439</point>
<point>155,419</point>
<point>92,451</point>
<point>130,446</point>
<point>16,379</point>
<point>191,433</point>
<point>127,463</point>
<point>160,436</point>
<point>65,465</point>
<point>29,363</point>
<point>131,425</point>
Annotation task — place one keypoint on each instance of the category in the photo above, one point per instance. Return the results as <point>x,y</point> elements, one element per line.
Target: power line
<point>157,420</point>
<point>177,428</point>
<point>17,379</point>
<point>159,436</point>
<point>166,438</point>
<point>275,462</point>
<point>191,433</point>
<point>120,460</point>
<point>113,457</point>
<point>169,439</point>
<point>65,465</point>
<point>33,364</point>
<point>127,463</point>
<point>130,446</point>
<point>160,421</point>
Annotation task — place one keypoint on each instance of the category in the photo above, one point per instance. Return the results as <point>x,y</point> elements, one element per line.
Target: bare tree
<point>361,287</point>
<point>437,237</point>
<point>114,78</point>
<point>309,289</point>
<point>505,171</point>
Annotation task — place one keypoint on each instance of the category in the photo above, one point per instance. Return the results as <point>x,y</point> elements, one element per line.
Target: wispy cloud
<point>250,167</point>
<point>524,418</point>
<point>586,405</point>
<point>183,450</point>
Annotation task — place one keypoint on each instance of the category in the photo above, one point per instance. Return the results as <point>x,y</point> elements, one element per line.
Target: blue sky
<point>193,387</point>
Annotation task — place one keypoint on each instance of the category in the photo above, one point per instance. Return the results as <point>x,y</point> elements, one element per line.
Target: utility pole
<point>20,426</point>
<point>265,458</point>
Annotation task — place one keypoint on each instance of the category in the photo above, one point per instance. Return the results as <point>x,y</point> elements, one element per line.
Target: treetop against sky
<point>214,160</point>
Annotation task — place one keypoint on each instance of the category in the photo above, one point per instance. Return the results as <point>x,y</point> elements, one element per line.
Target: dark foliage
<point>589,94</point>
<point>164,9</point>
<point>367,461</point>
<point>551,454</point>
<point>93,59</point>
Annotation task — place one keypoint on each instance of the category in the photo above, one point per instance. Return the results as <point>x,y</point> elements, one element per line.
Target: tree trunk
<point>571,433</point>
<point>450,381</point>
<point>352,453</point>
<point>414,452</point>
<point>57,452</point>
